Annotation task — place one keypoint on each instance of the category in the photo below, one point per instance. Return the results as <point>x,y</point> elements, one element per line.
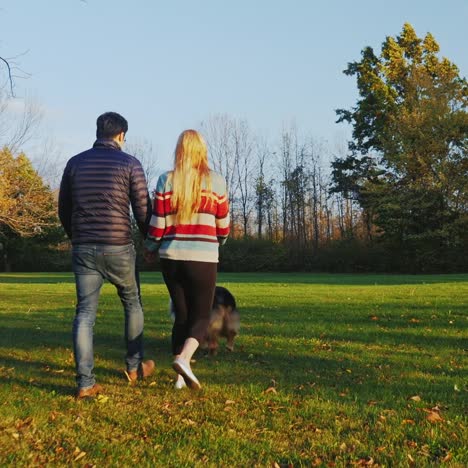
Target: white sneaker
<point>180,383</point>
<point>184,370</point>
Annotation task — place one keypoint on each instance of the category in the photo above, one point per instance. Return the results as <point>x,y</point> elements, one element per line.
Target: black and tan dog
<point>224,321</point>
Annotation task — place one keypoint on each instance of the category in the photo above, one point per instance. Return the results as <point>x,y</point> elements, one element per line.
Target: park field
<point>329,370</point>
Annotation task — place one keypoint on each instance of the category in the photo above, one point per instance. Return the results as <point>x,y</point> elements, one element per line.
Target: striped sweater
<point>195,241</point>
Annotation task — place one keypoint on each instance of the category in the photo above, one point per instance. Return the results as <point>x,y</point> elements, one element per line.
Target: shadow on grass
<point>353,381</point>
<point>335,378</point>
<point>148,278</point>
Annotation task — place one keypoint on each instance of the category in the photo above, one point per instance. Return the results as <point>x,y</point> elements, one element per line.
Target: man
<point>98,186</point>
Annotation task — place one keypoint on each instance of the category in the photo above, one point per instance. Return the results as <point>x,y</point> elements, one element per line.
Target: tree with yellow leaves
<point>408,162</point>
<point>27,206</point>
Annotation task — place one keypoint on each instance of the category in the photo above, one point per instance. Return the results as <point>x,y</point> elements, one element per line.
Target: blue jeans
<point>92,264</point>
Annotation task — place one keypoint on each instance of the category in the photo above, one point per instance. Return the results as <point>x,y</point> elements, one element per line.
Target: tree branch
<point>9,75</point>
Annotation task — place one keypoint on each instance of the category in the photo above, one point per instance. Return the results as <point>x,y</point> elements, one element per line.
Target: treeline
<point>394,200</point>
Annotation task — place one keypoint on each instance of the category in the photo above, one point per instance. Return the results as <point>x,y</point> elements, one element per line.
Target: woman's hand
<point>150,257</point>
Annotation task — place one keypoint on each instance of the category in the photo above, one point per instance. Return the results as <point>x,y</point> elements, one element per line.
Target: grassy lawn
<point>329,370</point>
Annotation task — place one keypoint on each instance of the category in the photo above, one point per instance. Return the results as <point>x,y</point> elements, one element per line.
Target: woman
<point>190,219</point>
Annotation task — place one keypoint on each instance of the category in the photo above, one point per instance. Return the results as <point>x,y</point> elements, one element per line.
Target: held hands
<point>150,257</point>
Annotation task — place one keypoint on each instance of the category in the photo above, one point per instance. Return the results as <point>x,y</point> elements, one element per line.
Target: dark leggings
<point>191,286</point>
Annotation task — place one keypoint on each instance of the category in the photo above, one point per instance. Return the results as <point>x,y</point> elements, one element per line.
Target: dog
<point>224,321</point>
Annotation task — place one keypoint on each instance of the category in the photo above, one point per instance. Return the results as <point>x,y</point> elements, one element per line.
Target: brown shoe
<point>144,370</point>
<point>90,392</point>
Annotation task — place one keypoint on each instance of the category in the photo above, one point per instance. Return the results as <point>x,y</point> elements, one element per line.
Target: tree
<point>27,205</point>
<point>243,146</point>
<point>218,131</point>
<point>409,143</point>
<point>143,150</point>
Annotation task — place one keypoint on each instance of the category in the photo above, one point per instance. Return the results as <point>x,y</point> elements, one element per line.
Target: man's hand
<point>150,257</point>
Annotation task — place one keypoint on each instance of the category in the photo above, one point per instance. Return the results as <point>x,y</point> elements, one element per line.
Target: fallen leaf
<point>434,417</point>
<point>343,447</point>
<point>447,457</point>
<point>374,317</point>
<point>415,320</point>
<point>270,390</point>
<point>79,456</point>
<point>102,398</point>
<point>229,402</point>
<point>415,398</point>
<point>408,421</point>
<point>364,462</point>
<point>189,422</point>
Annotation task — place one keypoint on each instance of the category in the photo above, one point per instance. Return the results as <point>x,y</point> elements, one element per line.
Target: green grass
<point>323,374</point>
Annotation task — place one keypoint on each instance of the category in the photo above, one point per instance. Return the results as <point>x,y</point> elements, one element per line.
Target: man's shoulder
<point>78,157</point>
<point>130,159</point>
<point>125,158</point>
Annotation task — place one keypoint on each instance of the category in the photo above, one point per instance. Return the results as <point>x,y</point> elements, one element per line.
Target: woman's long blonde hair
<point>190,170</point>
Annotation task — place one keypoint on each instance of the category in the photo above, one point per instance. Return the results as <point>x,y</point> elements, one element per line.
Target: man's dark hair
<point>110,124</point>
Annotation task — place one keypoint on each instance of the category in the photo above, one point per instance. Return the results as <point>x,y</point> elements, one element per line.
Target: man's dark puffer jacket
<point>98,186</point>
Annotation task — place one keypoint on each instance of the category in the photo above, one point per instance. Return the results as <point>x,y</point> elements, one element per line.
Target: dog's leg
<point>230,341</point>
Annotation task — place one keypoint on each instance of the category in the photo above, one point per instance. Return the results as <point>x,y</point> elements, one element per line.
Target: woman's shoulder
<point>216,177</point>
<point>163,179</point>
<point>218,184</point>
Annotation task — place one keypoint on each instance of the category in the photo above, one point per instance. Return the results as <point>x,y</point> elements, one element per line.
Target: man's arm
<point>139,198</point>
<point>65,202</point>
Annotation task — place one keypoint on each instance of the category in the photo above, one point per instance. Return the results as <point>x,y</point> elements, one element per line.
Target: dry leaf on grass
<point>78,454</point>
<point>447,457</point>
<point>434,417</point>
<point>408,421</point>
<point>270,390</point>
<point>189,422</point>
<point>364,462</point>
<point>415,398</point>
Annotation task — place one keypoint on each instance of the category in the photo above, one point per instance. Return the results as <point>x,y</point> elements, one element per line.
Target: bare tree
<point>143,150</point>
<point>19,122</point>
<point>261,186</point>
<point>9,74</point>
<point>10,69</point>
<point>218,130</point>
<point>48,162</point>
<point>243,146</point>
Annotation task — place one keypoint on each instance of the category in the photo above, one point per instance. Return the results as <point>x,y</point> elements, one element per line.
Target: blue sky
<point>167,65</point>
